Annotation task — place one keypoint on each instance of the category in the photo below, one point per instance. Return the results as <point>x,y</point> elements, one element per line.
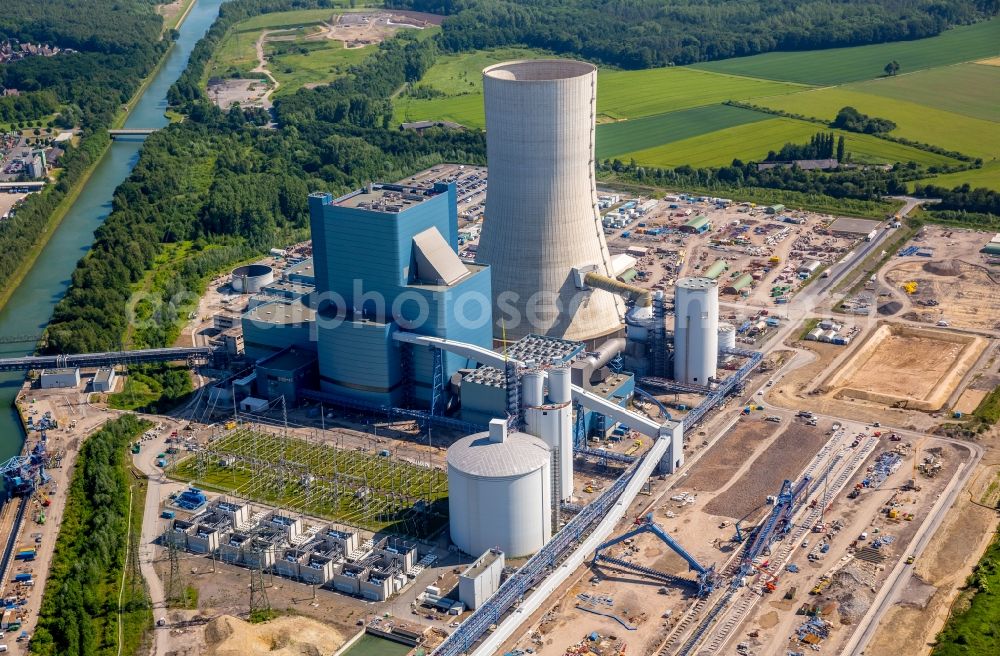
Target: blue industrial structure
<point>707,578</point>
<point>385,258</point>
<point>22,473</point>
<point>778,522</point>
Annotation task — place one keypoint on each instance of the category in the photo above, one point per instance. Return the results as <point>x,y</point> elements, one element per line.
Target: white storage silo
<point>696,330</point>
<point>499,492</point>
<point>727,336</point>
<point>532,388</point>
<point>552,422</point>
<point>542,219</point>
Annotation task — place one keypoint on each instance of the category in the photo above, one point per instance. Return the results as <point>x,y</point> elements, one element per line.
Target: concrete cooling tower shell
<point>542,219</point>
<point>696,330</point>
<point>499,493</point>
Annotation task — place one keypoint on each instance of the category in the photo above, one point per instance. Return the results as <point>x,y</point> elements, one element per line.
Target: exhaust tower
<point>542,223</point>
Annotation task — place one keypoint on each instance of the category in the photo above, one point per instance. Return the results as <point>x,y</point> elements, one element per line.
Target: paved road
<point>159,486</point>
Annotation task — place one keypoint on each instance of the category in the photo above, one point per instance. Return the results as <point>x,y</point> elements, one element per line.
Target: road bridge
<point>131,132</point>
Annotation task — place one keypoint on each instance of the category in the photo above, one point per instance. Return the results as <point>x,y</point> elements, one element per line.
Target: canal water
<point>29,309</point>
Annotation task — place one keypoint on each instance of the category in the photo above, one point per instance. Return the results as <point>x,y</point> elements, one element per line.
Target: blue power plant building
<point>385,259</point>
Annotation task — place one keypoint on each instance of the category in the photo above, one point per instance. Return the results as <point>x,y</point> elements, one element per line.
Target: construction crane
<point>707,576</point>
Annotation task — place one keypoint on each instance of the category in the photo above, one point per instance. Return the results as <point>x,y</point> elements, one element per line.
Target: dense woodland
<point>647,33</point>
<point>233,190</point>
<point>79,610</point>
<point>821,146</point>
<point>118,43</point>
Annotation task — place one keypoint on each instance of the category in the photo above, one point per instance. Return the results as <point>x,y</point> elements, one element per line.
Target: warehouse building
<point>698,225</point>
<point>56,378</point>
<point>104,380</point>
<point>481,579</point>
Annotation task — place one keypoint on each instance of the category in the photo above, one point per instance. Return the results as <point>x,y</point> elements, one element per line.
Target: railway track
<point>713,632</point>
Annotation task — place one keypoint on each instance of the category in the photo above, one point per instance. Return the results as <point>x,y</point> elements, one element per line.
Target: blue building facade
<point>385,259</point>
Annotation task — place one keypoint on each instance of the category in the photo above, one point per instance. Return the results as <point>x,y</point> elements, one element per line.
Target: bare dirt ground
<point>965,293</point>
<point>714,468</point>
<point>246,92</point>
<point>8,201</point>
<point>784,459</point>
<point>910,626</point>
<point>226,594</point>
<point>359,29</point>
<point>902,364</point>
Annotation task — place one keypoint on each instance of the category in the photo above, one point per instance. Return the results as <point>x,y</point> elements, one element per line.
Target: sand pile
<point>890,308</point>
<point>284,636</point>
<point>947,268</point>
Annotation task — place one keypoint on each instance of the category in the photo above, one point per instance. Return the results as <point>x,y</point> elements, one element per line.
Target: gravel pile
<point>947,268</point>
<point>890,308</point>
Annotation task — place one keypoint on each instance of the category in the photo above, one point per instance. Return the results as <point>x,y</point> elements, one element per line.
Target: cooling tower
<point>696,330</point>
<point>542,220</point>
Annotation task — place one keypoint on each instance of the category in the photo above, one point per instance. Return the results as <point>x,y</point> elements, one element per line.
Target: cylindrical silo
<point>532,389</point>
<point>499,492</point>
<point>251,278</point>
<point>559,385</point>
<point>542,219</point>
<point>696,330</point>
<point>727,336</point>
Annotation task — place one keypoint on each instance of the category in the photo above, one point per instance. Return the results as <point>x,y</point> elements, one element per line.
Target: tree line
<point>79,612</point>
<point>820,146</point>
<point>647,33</point>
<point>118,43</point>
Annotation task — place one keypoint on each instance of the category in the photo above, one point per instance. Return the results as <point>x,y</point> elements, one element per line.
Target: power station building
<point>385,259</point>
<point>542,219</point>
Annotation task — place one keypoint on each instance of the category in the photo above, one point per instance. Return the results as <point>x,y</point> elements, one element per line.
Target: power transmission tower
<point>173,576</point>
<point>259,605</point>
<point>133,567</point>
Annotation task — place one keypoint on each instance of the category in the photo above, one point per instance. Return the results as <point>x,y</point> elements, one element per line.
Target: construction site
<point>659,462</point>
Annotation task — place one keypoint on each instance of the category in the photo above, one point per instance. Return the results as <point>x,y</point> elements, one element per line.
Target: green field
<point>969,89</point>
<point>296,64</point>
<point>353,487</point>
<point>620,94</point>
<point>840,65</point>
<point>988,176</point>
<point>627,136</point>
<point>754,140</point>
<point>237,53</point>
<point>972,136</point>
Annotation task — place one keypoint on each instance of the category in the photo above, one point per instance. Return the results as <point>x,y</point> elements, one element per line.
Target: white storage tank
<point>499,492</point>
<point>727,336</point>
<point>696,329</point>
<point>251,278</point>
<point>532,386</point>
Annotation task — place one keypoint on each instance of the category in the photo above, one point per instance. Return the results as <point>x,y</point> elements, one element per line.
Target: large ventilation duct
<point>542,220</point>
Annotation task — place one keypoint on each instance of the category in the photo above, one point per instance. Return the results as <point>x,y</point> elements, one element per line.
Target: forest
<point>647,33</point>
<point>233,191</point>
<point>79,613</point>
<point>118,43</point>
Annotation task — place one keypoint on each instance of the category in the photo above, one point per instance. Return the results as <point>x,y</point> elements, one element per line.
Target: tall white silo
<point>696,330</point>
<point>552,421</point>
<point>542,219</point>
<point>499,492</point>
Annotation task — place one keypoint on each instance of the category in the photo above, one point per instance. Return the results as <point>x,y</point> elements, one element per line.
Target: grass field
<point>988,176</point>
<point>237,52</point>
<point>753,141</point>
<point>840,65</point>
<point>620,94</point>
<point>298,63</point>
<point>627,136</point>
<point>972,629</point>
<point>972,136</point>
<point>353,487</point>
<point>969,89</point>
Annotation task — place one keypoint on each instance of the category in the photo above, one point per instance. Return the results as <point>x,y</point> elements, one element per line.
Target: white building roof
<point>518,454</point>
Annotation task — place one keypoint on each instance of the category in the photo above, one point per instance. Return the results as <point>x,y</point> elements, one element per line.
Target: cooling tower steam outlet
<point>542,219</point>
<point>696,330</point>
